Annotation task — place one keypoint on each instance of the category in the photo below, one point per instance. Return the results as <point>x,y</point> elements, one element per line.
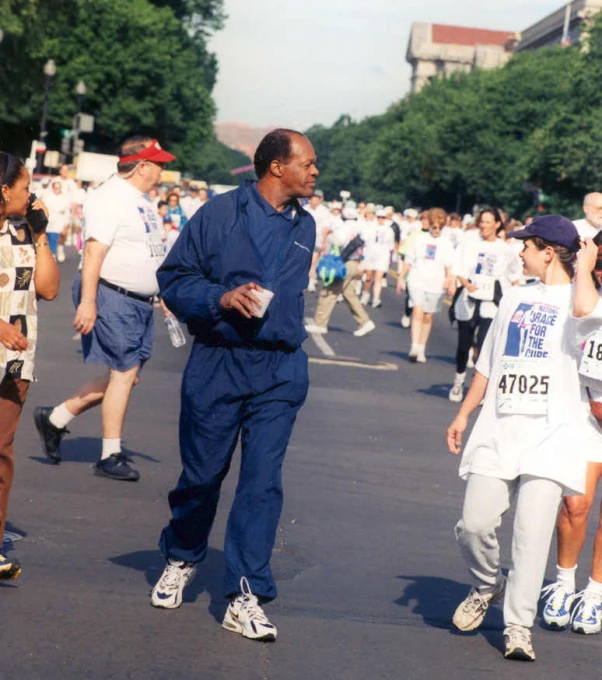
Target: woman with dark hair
<point>486,267</point>
<point>27,272</point>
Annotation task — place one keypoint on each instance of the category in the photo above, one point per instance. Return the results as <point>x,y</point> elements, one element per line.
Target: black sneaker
<point>49,434</point>
<point>116,467</point>
<point>9,568</point>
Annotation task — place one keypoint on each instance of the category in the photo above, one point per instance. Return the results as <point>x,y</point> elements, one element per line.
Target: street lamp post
<point>49,72</point>
<point>80,90</point>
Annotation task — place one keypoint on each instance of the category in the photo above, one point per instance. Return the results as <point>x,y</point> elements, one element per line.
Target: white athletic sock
<point>420,348</point>
<point>414,349</point>
<point>566,577</point>
<point>110,446</point>
<point>460,378</point>
<point>60,416</point>
<point>594,587</point>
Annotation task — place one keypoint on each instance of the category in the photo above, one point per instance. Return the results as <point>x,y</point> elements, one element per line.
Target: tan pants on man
<point>346,288</point>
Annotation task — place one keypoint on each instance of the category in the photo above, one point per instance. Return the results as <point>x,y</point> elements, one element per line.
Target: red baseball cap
<point>153,152</point>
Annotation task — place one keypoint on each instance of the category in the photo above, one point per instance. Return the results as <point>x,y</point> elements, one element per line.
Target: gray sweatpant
<point>485,502</point>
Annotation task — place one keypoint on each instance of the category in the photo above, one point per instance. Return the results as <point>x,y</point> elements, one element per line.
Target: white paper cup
<point>265,296</point>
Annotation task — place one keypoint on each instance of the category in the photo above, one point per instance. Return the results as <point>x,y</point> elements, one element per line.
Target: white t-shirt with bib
<point>429,257</point>
<point>484,262</point>
<point>123,218</point>
<point>534,417</point>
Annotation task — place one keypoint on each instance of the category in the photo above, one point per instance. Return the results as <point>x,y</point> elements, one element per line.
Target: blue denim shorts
<point>122,336</point>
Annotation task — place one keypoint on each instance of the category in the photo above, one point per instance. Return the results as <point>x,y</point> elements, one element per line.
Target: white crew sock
<point>420,348</point>
<point>110,446</point>
<point>567,577</point>
<point>460,378</point>
<point>414,349</point>
<point>60,416</point>
<point>594,587</point>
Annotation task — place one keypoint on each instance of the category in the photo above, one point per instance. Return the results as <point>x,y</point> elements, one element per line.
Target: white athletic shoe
<point>405,321</point>
<point>421,357</point>
<point>470,362</point>
<point>376,303</point>
<point>518,644</point>
<point>587,616</point>
<point>470,612</point>
<point>456,393</point>
<point>167,594</point>
<point>245,616</point>
<point>557,609</point>
<point>60,254</point>
<point>365,298</point>
<point>314,328</point>
<point>365,329</point>
<point>311,288</point>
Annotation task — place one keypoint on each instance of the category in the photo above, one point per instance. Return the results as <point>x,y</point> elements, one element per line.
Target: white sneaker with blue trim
<point>167,594</point>
<point>557,609</point>
<point>587,617</point>
<point>246,617</point>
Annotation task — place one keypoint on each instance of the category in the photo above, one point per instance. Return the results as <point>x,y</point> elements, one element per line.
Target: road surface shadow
<point>436,599</point>
<point>440,390</point>
<point>209,577</point>
<point>88,450</point>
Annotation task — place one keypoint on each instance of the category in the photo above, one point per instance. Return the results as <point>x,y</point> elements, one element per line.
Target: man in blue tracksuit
<point>245,374</point>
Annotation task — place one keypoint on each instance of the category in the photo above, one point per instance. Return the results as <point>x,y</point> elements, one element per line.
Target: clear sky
<point>299,62</point>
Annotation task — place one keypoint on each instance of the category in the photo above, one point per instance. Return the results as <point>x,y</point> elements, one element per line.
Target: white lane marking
<point>320,341</point>
<point>384,366</point>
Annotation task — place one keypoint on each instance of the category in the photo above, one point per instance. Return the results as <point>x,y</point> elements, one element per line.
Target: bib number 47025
<point>523,389</point>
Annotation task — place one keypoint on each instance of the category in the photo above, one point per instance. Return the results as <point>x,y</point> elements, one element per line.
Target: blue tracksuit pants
<point>226,392</point>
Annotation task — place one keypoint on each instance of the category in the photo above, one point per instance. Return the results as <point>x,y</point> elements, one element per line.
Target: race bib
<point>485,287</point>
<point>523,387</point>
<point>591,357</point>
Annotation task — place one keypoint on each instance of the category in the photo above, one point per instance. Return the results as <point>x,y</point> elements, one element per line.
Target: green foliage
<point>488,137</point>
<point>145,64</point>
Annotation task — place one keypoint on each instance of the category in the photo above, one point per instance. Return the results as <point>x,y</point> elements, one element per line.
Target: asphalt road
<point>367,566</point>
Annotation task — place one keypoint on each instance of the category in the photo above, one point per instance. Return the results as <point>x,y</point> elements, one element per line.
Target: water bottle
<point>176,334</point>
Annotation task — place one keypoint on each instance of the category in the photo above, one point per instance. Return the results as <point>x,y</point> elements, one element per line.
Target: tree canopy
<point>145,63</point>
<point>503,137</point>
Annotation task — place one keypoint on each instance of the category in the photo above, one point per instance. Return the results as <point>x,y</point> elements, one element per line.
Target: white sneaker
<point>405,321</point>
<point>167,594</point>
<point>421,357</point>
<point>376,303</point>
<point>457,392</point>
<point>365,298</point>
<point>557,609</point>
<point>60,254</point>
<point>365,329</point>
<point>470,613</point>
<point>314,328</point>
<point>587,616</point>
<point>245,616</point>
<point>470,362</point>
<point>311,288</point>
<point>519,647</point>
<point>340,298</point>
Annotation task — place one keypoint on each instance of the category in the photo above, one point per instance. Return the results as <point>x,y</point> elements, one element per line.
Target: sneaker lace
<point>586,607</point>
<point>171,576</point>
<point>555,595</point>
<point>249,603</point>
<point>474,601</point>
<point>519,635</point>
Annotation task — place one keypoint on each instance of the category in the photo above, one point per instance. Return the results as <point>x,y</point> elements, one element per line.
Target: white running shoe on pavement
<point>365,329</point>
<point>405,321</point>
<point>587,616</point>
<point>167,594</point>
<point>456,393</point>
<point>519,647</point>
<point>314,328</point>
<point>60,254</point>
<point>470,612</point>
<point>557,609</point>
<point>421,357</point>
<point>470,362</point>
<point>376,303</point>
<point>365,298</point>
<point>245,616</point>
<point>311,288</point>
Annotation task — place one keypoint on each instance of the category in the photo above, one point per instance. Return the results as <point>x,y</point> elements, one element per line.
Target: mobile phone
<point>37,218</point>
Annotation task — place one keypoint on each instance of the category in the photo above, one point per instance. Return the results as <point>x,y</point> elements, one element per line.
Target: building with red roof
<point>439,50</point>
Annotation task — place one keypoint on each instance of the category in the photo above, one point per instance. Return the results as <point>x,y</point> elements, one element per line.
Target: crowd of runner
<point>528,313</point>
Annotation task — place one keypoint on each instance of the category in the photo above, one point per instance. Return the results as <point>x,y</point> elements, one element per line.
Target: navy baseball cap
<point>552,228</point>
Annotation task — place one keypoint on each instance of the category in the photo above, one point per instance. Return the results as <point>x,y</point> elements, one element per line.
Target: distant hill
<point>241,136</point>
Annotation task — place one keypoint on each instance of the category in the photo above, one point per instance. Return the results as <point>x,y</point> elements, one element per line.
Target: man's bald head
<point>592,207</point>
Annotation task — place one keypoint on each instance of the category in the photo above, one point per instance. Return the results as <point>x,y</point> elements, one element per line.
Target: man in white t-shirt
<point>193,202</point>
<point>592,223</point>
<point>114,296</point>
